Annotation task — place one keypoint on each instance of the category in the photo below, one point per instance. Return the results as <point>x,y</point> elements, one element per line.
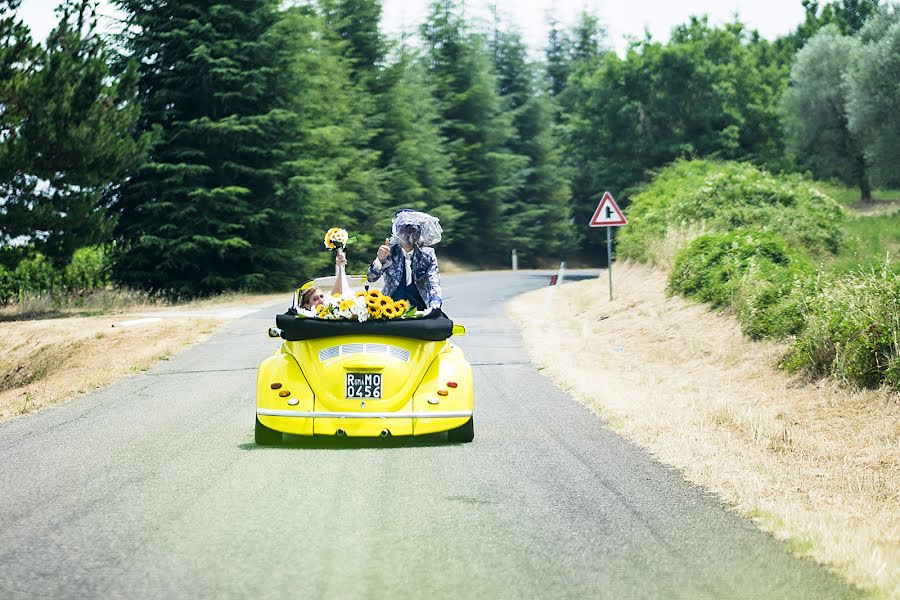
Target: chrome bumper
<point>324,414</point>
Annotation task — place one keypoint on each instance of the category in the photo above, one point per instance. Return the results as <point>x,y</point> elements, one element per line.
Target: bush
<point>709,197</point>
<point>852,329</point>
<point>88,270</point>
<point>36,276</point>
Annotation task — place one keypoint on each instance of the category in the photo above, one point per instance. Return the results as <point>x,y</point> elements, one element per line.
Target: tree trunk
<point>865,188</point>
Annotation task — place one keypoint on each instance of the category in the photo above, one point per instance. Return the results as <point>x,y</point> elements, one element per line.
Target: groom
<point>409,266</point>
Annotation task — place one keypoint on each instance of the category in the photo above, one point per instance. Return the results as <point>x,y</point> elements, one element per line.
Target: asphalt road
<point>154,488</point>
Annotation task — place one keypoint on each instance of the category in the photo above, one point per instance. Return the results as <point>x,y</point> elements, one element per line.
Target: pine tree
<point>69,141</point>
<point>539,214</point>
<point>478,132</point>
<point>206,214</point>
<point>413,155</point>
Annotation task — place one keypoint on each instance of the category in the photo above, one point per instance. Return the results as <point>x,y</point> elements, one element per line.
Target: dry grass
<point>812,463</point>
<point>47,361</point>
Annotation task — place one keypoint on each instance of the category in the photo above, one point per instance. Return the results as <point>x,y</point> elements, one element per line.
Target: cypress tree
<point>478,131</point>
<point>205,214</point>
<point>413,154</point>
<point>539,214</point>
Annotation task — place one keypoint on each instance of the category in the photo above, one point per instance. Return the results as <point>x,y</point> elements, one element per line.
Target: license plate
<point>363,385</point>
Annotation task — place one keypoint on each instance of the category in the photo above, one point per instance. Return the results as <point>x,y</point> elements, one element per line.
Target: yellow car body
<point>365,385</point>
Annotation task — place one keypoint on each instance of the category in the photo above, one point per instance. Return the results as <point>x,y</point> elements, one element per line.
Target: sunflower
<point>385,301</point>
<point>389,312</point>
<point>328,242</point>
<point>375,312</point>
<point>401,306</point>
<point>347,304</point>
<point>360,293</point>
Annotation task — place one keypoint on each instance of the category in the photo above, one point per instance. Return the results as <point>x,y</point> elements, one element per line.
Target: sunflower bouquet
<point>369,305</point>
<point>381,306</point>
<point>336,239</point>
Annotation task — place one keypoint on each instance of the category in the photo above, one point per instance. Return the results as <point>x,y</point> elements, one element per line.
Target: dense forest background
<point>210,145</point>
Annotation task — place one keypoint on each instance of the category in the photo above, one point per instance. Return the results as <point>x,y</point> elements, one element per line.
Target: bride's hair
<point>306,296</point>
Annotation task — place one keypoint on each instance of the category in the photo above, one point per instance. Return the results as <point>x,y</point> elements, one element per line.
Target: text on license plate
<point>364,385</point>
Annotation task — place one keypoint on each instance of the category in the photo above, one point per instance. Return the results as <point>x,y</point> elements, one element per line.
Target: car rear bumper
<point>324,414</point>
<point>362,424</point>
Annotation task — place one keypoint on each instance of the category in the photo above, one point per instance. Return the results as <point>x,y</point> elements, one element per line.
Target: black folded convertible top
<point>434,327</point>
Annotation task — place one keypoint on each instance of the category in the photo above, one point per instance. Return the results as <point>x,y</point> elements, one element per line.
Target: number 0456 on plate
<point>363,385</point>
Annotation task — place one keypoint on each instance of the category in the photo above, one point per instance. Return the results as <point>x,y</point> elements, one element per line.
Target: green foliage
<point>538,216</point>
<point>36,275</point>
<point>413,155</point>
<point>233,180</point>
<point>870,241</point>
<point>709,92</point>
<point>852,329</point>
<point>478,132</point>
<point>814,109</point>
<point>711,268</point>
<point>873,96</point>
<point>719,197</point>
<point>68,117</point>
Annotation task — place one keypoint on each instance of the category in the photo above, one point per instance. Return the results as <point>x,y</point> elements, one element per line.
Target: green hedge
<point>743,239</point>
<point>707,197</point>
<point>754,271</point>
<point>35,276</point>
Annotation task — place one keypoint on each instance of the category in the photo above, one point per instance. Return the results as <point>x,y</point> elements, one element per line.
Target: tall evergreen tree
<point>539,214</point>
<point>413,154</point>
<point>68,119</point>
<point>331,177</point>
<point>204,215</point>
<point>356,23</point>
<point>478,131</point>
<point>814,108</point>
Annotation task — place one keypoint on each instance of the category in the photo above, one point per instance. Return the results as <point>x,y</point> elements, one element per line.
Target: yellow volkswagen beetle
<point>368,379</point>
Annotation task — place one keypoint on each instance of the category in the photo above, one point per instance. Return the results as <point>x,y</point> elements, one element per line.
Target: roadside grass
<point>869,241</point>
<point>46,361</point>
<point>814,463</point>
<point>849,196</point>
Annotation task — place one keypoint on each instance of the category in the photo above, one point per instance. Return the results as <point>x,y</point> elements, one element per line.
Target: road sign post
<point>608,215</point>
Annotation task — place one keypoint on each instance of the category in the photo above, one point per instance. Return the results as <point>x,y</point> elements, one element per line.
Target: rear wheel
<point>266,436</point>
<point>464,433</point>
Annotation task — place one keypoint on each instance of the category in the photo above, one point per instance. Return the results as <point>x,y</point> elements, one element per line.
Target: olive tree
<point>873,95</point>
<point>814,111</point>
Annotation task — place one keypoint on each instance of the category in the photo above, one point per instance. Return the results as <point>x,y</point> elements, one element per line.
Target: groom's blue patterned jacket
<point>425,273</point>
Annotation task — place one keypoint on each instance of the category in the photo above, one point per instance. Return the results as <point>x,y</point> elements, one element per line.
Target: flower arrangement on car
<point>364,306</point>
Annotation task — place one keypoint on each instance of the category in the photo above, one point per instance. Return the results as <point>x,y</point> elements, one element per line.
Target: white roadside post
<point>608,215</point>
<point>555,280</point>
<point>515,261</point>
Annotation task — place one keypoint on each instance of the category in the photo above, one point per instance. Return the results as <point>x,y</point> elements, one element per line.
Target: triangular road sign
<point>607,213</point>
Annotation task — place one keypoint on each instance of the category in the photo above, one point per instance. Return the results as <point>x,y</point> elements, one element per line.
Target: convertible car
<point>399,377</point>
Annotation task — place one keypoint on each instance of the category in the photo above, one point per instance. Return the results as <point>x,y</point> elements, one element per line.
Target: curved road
<point>154,488</point>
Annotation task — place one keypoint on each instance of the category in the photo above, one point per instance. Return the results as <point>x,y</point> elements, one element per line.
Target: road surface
<point>154,488</point>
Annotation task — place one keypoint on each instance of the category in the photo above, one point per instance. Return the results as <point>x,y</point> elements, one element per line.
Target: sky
<point>531,17</point>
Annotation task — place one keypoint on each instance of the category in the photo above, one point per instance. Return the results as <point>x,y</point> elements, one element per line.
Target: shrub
<point>754,271</point>
<point>706,197</point>
<point>852,329</point>
<point>88,270</point>
<point>35,275</point>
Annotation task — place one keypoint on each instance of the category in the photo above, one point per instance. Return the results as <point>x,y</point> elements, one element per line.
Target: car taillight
<point>284,393</point>
<point>275,386</point>
<point>442,392</point>
<point>451,384</point>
